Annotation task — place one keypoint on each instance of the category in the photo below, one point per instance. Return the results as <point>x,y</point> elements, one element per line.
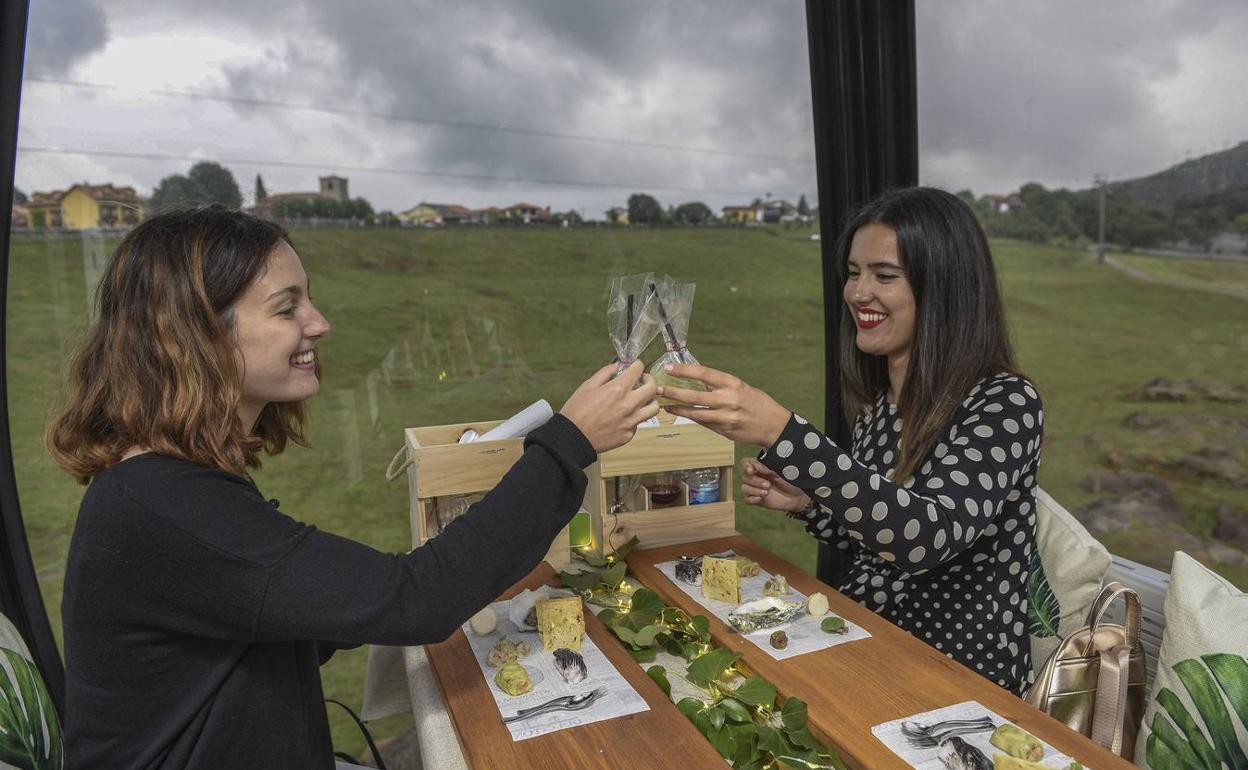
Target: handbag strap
<point>1108,594</point>
<point>1111,697</point>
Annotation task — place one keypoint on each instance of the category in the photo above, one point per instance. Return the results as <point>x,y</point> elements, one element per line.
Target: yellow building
<point>85,207</point>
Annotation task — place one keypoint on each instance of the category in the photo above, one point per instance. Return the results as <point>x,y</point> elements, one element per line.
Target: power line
<point>253,102</point>
<point>376,170</point>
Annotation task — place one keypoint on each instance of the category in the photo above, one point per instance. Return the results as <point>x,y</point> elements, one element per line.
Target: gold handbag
<point>1094,682</point>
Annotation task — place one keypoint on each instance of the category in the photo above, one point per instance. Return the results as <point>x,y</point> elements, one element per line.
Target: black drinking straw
<point>629,338</point>
<point>671,335</point>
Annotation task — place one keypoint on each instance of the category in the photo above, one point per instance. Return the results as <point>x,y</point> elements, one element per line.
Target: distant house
<point>779,211</point>
<point>334,188</point>
<point>1004,204</point>
<point>487,216</point>
<point>85,207</point>
<point>433,214</point>
<point>528,213</point>
<point>19,217</point>
<point>743,215</point>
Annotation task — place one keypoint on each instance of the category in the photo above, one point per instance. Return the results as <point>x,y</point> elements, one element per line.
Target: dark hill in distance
<point>1213,173</point>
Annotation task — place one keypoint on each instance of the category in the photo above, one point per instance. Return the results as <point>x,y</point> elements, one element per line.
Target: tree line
<point>1071,217</point>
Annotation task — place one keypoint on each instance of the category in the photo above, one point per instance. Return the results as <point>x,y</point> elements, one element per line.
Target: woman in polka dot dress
<point>935,499</point>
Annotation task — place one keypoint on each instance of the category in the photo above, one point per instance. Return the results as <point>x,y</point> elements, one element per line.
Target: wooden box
<point>440,467</point>
<point>668,447</point>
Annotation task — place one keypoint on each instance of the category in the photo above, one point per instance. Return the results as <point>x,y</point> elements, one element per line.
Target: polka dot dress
<point>943,555</point>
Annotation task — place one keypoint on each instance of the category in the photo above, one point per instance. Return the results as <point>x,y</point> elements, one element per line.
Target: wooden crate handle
<point>392,472</point>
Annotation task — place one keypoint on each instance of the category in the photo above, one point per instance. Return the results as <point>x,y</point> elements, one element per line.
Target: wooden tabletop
<point>660,737</point>
<point>854,686</point>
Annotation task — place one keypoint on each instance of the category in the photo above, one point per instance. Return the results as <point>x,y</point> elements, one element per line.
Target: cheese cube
<point>560,623</point>
<point>721,581</point>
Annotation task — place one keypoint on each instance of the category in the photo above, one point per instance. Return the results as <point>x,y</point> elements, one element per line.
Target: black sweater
<point>196,614</point>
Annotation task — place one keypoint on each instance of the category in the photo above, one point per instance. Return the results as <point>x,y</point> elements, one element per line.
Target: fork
<point>938,737</point>
<point>564,703</point>
<point>918,730</point>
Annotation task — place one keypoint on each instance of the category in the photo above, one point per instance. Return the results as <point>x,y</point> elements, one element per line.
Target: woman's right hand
<point>608,410</point>
<point>762,486</point>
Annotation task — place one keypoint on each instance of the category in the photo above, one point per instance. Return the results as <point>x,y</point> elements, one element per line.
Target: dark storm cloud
<point>730,76</point>
<point>60,33</point>
<point>1055,91</point>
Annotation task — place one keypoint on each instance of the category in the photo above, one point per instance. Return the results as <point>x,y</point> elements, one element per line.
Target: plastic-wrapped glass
<point>673,303</point>
<point>631,318</point>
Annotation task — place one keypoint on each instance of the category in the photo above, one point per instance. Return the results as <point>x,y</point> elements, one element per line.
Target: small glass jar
<point>664,489</point>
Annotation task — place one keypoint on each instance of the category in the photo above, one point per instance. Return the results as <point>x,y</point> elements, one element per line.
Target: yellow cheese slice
<point>560,623</point>
<point>721,580</point>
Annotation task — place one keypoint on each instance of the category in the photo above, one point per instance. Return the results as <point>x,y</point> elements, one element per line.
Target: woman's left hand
<point>729,406</point>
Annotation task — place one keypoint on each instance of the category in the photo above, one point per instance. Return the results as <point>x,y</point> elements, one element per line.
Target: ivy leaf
<point>702,627</point>
<point>659,675</point>
<point>722,741</point>
<point>744,743</point>
<point>834,625</point>
<point>645,637</point>
<point>580,581</point>
<point>707,668</point>
<point>689,706</point>
<point>590,557</point>
<point>804,739</point>
<point>625,633</point>
<point>624,550</point>
<point>646,607</point>
<point>672,646</point>
<point>769,740</point>
<point>793,714</point>
<point>717,715</point>
<point>609,617</point>
<point>735,710</point>
<point>644,655</point>
<point>756,691</point>
<point>614,575</point>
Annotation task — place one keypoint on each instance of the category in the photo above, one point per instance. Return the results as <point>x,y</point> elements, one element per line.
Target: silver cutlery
<point>563,703</point>
<point>918,730</point>
<point>935,739</point>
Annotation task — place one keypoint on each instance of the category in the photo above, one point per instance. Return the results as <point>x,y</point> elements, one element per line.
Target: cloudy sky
<point>577,103</point>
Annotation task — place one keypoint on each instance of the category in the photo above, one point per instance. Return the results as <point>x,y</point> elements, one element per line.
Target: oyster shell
<point>776,585</point>
<point>763,613</point>
<point>570,665</point>
<point>521,610</point>
<point>689,570</point>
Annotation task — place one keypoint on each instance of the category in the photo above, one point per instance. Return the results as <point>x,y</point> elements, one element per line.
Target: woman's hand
<point>607,410</point>
<point>731,407</point>
<point>761,486</point>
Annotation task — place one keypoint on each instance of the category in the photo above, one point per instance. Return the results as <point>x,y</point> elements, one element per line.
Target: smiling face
<point>879,295</point>
<point>276,327</point>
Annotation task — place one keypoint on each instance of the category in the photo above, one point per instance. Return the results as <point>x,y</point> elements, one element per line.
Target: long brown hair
<point>960,334</point>
<point>160,368</point>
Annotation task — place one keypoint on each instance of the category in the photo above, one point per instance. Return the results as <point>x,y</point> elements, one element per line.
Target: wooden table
<point>660,737</point>
<point>854,686</point>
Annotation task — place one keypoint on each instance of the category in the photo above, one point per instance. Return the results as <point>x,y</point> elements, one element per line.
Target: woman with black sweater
<point>934,499</point>
<point>196,614</point>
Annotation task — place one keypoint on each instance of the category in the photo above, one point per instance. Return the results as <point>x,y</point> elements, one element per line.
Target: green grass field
<point>441,326</point>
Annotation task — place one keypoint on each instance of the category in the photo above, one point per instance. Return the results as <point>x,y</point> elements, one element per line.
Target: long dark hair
<point>960,334</point>
<point>159,367</point>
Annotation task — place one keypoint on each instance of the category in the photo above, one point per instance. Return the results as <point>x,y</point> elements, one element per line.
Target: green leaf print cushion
<point>30,734</point>
<point>1066,574</point>
<point>1198,716</point>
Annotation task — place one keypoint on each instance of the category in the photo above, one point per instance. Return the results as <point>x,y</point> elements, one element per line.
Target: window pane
<point>1033,111</point>
<point>457,183</point>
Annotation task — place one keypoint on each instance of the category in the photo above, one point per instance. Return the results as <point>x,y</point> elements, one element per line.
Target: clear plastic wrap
<point>631,318</point>
<point>673,304</point>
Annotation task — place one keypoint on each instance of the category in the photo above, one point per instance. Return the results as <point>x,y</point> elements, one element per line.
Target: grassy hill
<point>440,326</point>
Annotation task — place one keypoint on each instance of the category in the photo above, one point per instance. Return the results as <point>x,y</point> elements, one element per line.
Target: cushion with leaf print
<point>1066,573</point>
<point>30,734</point>
<point>1197,718</point>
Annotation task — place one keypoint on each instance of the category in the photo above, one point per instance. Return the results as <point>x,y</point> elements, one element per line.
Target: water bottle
<point>703,485</point>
